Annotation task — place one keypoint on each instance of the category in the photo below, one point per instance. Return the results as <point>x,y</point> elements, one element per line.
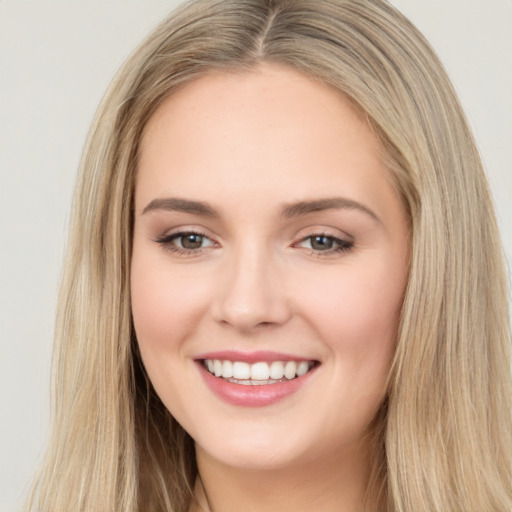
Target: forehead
<point>261,99</point>
<point>271,130</point>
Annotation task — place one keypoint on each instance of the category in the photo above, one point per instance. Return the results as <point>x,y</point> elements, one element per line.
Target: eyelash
<point>167,241</point>
<point>340,245</point>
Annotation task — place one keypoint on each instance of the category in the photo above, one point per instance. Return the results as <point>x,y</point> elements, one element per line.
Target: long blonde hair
<point>445,432</point>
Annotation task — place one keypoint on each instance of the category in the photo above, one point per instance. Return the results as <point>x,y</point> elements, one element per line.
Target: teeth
<point>241,370</point>
<point>257,373</point>
<point>217,368</point>
<point>260,371</point>
<point>276,370</point>
<point>227,369</point>
<point>302,368</point>
<point>290,370</point>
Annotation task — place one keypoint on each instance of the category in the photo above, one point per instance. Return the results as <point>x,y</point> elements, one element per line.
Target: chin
<point>253,457</point>
<point>267,446</point>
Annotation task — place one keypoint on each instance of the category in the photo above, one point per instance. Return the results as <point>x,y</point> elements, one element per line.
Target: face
<point>269,265</point>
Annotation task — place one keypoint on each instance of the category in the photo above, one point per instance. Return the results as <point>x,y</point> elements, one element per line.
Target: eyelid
<point>167,238</point>
<point>342,241</point>
<point>184,229</point>
<point>322,230</point>
<point>340,244</point>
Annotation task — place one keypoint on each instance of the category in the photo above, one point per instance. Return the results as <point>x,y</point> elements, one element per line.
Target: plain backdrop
<point>56,59</point>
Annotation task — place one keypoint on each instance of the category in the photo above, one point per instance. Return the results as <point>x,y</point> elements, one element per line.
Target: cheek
<point>166,308</point>
<point>356,316</point>
<point>166,305</point>
<point>356,313</point>
<point>362,304</point>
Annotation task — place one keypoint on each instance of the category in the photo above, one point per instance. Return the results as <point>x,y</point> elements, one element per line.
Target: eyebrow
<point>289,210</point>
<point>331,203</point>
<point>181,205</point>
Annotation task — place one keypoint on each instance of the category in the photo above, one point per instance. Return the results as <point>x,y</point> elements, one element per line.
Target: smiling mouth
<point>258,374</point>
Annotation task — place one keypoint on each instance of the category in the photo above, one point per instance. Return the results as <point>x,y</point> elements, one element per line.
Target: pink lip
<point>250,357</point>
<point>248,395</point>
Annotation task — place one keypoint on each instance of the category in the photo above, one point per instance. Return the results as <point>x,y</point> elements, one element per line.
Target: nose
<point>251,294</point>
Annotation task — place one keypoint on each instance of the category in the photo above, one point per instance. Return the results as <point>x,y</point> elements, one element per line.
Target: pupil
<point>322,243</point>
<point>191,241</point>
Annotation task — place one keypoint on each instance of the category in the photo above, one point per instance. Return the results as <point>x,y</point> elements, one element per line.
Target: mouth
<point>260,373</point>
<point>255,379</point>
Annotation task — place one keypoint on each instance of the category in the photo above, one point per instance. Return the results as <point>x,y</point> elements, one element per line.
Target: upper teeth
<point>258,371</point>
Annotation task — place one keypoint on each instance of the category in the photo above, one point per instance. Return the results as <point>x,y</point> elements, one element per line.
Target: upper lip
<point>251,357</point>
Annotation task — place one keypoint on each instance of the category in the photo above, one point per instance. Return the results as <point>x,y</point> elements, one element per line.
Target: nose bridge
<point>251,294</point>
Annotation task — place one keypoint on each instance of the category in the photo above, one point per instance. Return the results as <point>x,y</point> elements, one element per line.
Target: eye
<point>322,243</point>
<point>185,242</point>
<point>190,241</point>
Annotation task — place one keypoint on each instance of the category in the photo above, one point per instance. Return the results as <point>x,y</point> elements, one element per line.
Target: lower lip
<point>249,395</point>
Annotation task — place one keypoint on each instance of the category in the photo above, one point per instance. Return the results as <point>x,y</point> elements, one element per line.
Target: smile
<point>255,379</point>
<point>259,373</point>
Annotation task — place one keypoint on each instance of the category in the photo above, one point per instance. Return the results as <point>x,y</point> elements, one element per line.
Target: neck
<point>332,484</point>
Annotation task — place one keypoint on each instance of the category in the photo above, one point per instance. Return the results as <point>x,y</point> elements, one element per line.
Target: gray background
<point>56,59</point>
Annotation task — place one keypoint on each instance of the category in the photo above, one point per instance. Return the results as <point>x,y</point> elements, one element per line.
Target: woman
<point>284,286</point>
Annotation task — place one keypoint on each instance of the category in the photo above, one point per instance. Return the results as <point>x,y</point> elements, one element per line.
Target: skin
<point>248,144</point>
